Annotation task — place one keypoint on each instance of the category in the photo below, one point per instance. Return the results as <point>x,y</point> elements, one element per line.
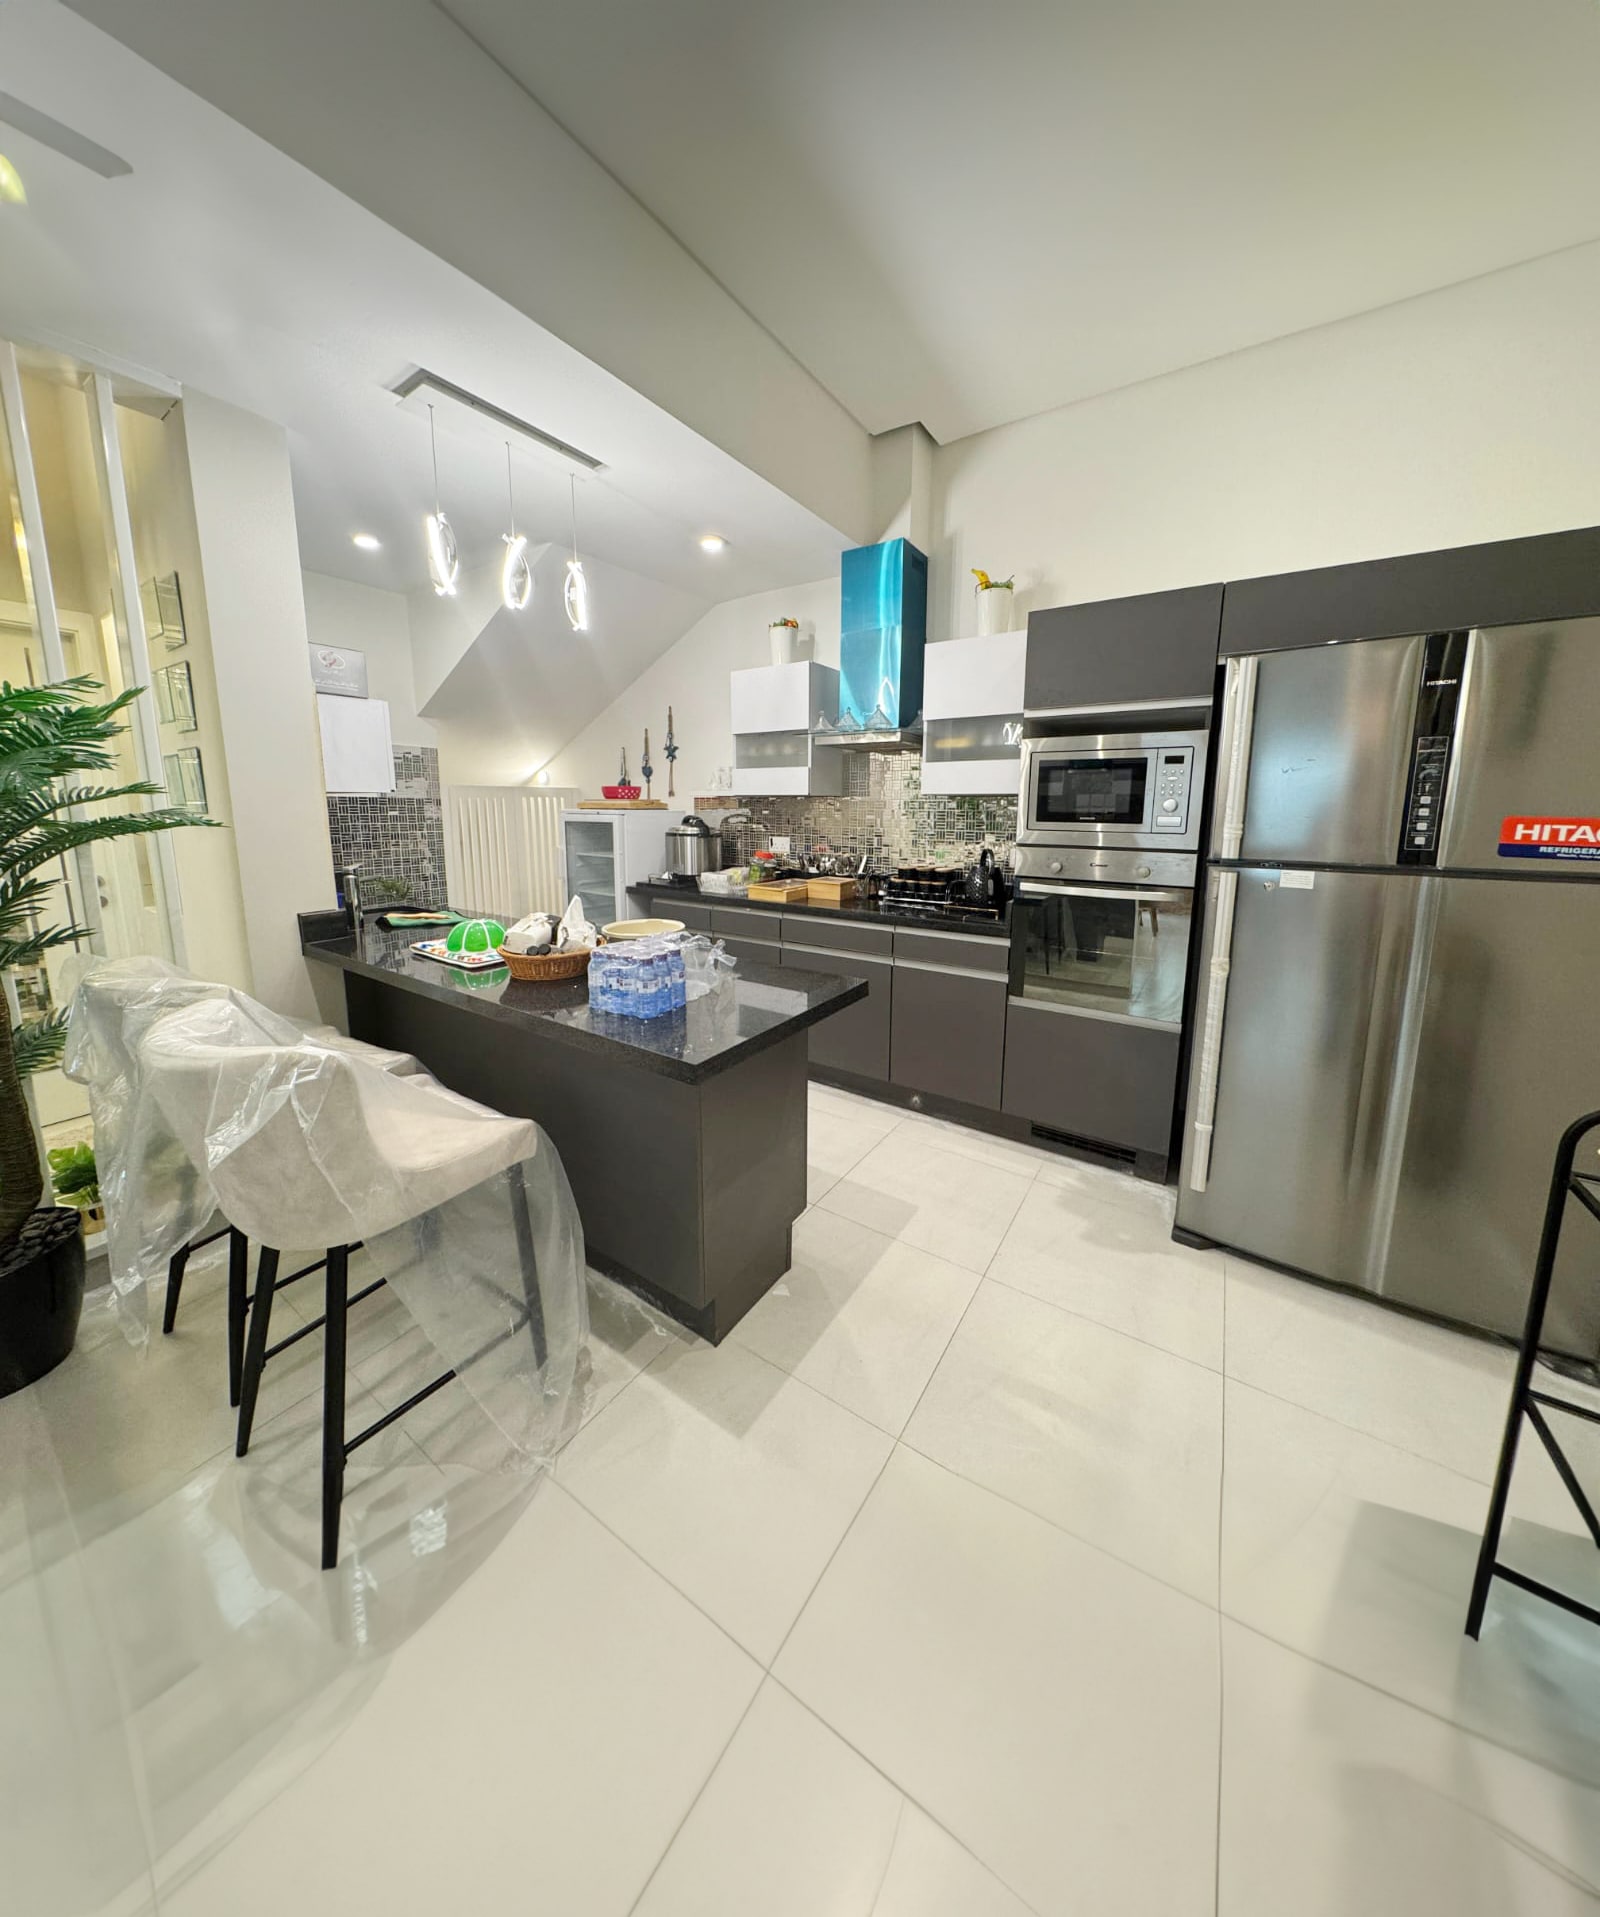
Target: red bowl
<point>619,791</point>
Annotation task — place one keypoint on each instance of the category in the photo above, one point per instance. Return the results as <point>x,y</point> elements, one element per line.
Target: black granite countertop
<point>871,912</point>
<point>760,1006</point>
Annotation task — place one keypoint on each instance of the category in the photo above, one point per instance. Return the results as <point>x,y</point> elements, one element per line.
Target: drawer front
<point>1097,1078</point>
<point>838,935</point>
<point>739,921</point>
<point>966,953</point>
<point>696,917</point>
<point>948,1034</point>
<point>752,951</point>
<point>856,1039</point>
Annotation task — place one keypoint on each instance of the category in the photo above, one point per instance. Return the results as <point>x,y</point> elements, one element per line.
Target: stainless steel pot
<point>693,848</point>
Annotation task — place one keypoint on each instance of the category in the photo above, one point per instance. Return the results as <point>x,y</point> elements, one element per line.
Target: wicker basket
<point>547,968</point>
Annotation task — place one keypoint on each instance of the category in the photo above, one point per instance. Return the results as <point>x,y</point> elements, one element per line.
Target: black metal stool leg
<point>255,1355</point>
<point>333,1446</point>
<point>527,1258</point>
<point>176,1266</point>
<point>238,1299</point>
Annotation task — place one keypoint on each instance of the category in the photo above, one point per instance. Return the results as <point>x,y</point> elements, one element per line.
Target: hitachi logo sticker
<point>1550,839</point>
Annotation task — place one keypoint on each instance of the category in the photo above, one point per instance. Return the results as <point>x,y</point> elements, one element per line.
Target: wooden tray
<point>830,891</point>
<point>791,893</point>
<point>622,805</point>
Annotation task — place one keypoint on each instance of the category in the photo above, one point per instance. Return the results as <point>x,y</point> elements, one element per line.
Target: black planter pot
<point>41,1297</point>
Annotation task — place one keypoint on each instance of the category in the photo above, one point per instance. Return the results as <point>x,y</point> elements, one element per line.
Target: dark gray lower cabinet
<point>856,1039</point>
<point>758,952</point>
<point>1095,1078</point>
<point>948,1033</point>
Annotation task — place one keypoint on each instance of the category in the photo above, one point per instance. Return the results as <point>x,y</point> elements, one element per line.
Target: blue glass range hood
<point>883,632</point>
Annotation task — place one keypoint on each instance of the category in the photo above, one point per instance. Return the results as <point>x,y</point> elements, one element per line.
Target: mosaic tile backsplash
<point>397,838</point>
<point>886,814</point>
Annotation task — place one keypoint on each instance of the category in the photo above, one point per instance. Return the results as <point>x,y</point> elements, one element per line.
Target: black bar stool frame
<point>1528,1403</point>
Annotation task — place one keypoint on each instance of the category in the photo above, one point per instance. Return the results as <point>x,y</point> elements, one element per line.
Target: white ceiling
<point>226,266</point>
<point>965,214</point>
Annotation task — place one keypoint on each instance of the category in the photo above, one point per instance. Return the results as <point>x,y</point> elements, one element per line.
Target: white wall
<point>1466,415</point>
<point>365,619</point>
<point>249,556</point>
<point>692,677</point>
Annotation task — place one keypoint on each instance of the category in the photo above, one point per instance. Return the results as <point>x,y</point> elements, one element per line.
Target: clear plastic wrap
<point>204,1100</point>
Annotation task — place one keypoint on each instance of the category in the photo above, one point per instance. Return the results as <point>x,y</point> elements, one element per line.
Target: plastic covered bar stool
<point>466,1212</point>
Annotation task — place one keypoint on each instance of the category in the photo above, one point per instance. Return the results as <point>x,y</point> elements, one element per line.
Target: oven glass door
<point>1095,948</point>
<point>1093,789</point>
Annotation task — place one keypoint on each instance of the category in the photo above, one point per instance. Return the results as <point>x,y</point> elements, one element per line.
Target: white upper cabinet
<point>972,714</point>
<point>784,698</point>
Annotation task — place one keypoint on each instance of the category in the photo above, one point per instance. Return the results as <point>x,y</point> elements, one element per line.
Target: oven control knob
<point>1169,805</point>
<point>1055,865</point>
<point>1141,871</point>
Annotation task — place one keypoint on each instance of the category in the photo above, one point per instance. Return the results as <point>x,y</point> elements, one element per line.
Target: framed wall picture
<point>162,602</point>
<point>174,689</point>
<point>185,779</point>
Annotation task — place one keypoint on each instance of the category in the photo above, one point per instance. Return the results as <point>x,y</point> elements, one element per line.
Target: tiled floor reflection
<point>1008,1559</point>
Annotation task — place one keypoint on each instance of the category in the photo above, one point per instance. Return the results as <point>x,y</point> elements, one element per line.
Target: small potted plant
<point>787,645</point>
<point>996,604</point>
<point>77,1183</point>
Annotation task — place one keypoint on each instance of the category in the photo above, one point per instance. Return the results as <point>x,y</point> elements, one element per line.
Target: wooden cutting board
<point>792,893</point>
<point>622,805</point>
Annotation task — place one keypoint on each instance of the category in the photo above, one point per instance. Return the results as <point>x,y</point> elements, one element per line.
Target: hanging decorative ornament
<point>516,575</point>
<point>444,561</point>
<point>646,770</point>
<point>672,753</point>
<point>577,592</point>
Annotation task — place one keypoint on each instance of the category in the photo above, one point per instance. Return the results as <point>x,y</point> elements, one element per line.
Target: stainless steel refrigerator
<point>1398,1007</point>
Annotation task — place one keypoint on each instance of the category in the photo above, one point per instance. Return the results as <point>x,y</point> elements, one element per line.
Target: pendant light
<point>516,575</point>
<point>577,593</point>
<point>444,561</point>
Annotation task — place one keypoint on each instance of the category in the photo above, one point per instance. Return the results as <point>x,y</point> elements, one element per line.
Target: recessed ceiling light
<point>712,542</point>
<point>368,542</point>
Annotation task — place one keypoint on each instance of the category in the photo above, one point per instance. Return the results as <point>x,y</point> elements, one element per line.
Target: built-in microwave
<point>1137,790</point>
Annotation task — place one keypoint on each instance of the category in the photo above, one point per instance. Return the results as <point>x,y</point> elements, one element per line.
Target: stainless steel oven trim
<point>1145,894</point>
<point>1087,1011</point>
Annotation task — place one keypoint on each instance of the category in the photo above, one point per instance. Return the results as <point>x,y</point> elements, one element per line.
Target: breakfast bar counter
<point>683,1137</point>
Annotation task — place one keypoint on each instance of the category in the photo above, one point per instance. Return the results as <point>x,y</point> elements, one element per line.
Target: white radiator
<point>502,848</point>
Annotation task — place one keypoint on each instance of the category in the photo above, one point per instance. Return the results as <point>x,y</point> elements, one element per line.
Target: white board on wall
<point>357,750</point>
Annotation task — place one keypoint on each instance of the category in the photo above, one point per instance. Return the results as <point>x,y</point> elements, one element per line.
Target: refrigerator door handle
<point>1233,754</point>
<point>1209,1046</point>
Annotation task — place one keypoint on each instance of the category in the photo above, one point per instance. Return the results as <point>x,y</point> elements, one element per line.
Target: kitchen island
<point>683,1137</point>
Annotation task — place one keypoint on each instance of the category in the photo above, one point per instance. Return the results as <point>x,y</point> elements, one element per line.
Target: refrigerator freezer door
<point>1330,750</point>
<point>1313,1028</point>
<point>1508,1056</point>
<point>1526,750</point>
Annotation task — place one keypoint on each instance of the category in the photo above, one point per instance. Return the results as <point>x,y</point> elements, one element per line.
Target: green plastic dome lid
<point>476,935</point>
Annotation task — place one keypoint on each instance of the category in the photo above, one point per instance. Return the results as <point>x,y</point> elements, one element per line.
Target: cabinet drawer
<point>751,951</point>
<point>739,921</point>
<point>966,952</point>
<point>856,1039</point>
<point>842,935</point>
<point>948,1033</point>
<point>697,918</point>
<point>1097,1078</point>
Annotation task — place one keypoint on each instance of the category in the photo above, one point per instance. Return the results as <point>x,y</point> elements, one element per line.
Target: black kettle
<point>980,880</point>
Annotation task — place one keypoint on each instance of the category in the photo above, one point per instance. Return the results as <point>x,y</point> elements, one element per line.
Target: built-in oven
<point>1106,936</point>
<point>1133,790</point>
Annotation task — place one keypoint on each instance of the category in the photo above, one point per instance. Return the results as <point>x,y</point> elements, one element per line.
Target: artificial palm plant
<point>50,738</point>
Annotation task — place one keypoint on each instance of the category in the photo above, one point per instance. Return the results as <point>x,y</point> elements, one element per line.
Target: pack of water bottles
<point>638,978</point>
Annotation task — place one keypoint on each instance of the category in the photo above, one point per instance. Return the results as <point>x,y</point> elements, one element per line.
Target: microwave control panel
<point>1174,776</point>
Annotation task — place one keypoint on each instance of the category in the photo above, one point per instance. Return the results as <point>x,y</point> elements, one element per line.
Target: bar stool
<point>400,1065</point>
<point>320,1147</point>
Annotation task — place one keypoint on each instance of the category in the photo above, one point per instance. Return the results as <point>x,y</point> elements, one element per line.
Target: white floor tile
<point>794,1822</point>
<point>860,1317</point>
<point>1109,1185</point>
<point>734,1480</point>
<point>1115,1441</point>
<point>535,1747</point>
<point>872,1113</point>
<point>1438,1393</point>
<point>1337,1800</point>
<point>625,1335</point>
<point>1115,1263</point>
<point>1056,1711</point>
<point>987,1148</point>
<point>840,1131</point>
<point>1360,1555</point>
<point>910,1187</point>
